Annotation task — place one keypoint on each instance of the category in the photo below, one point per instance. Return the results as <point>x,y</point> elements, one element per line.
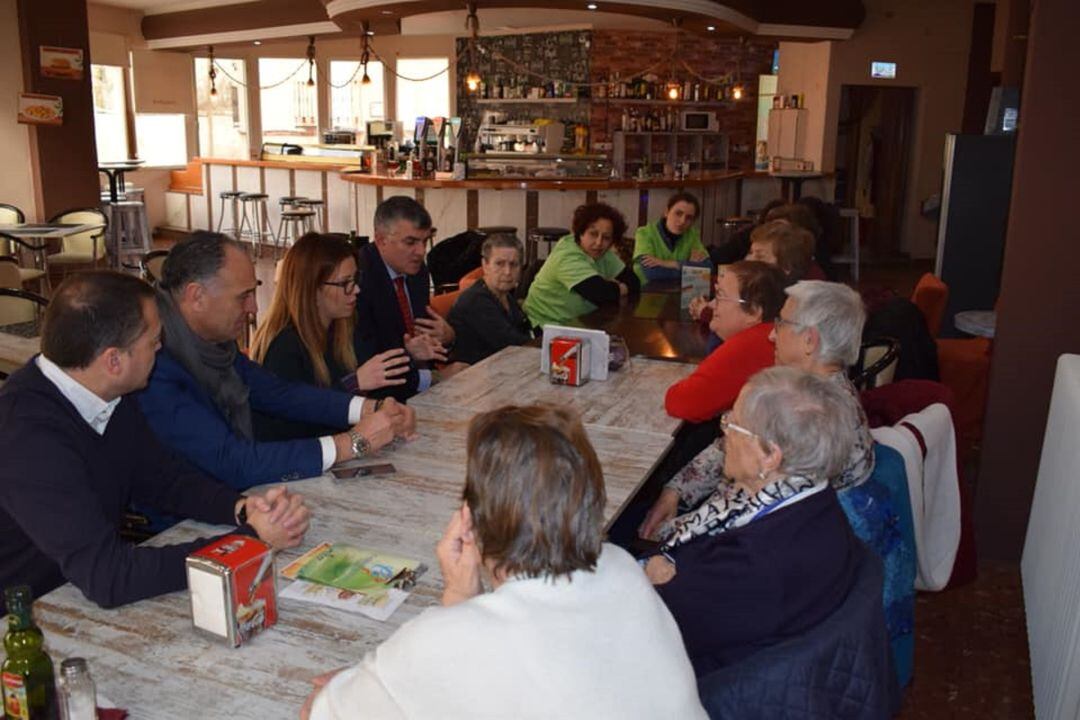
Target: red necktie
<point>403,304</point>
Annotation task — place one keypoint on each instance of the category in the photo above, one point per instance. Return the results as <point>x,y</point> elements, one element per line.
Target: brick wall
<point>629,52</point>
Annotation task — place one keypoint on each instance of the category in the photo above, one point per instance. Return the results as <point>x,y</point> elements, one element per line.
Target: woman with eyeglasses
<point>818,330</point>
<point>747,299</point>
<point>307,334</point>
<point>778,555</point>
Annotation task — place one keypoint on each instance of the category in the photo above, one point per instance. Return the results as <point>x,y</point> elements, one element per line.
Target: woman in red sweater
<point>749,296</point>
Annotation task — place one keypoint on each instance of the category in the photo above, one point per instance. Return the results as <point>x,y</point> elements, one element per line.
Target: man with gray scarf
<point>203,389</point>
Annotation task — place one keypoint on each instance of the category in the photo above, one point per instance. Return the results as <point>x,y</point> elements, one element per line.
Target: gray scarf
<point>211,364</point>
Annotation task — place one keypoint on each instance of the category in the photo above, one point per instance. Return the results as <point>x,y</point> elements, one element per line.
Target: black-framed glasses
<point>347,285</point>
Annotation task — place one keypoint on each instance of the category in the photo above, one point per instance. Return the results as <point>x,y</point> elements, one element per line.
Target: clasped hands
<point>279,517</point>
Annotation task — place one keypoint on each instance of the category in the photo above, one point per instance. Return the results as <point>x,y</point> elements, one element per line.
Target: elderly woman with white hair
<point>819,330</point>
<point>779,556</point>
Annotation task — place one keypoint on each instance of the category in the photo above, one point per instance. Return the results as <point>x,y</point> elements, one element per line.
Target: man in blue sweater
<point>77,452</point>
<point>203,389</point>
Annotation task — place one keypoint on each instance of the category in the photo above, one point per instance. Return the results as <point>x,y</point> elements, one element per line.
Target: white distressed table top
<point>630,399</point>
<point>47,230</point>
<point>147,658</point>
<point>16,351</point>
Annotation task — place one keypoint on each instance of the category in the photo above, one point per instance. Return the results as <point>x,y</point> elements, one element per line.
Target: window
<point>161,139</point>
<point>222,118</point>
<point>110,126</point>
<point>428,97</point>
<point>352,103</point>
<point>288,105</point>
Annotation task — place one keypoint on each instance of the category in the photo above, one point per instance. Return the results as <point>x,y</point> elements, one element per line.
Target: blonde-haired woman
<point>307,334</point>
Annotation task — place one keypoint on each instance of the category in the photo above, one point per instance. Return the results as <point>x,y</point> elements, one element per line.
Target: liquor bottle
<point>27,673</point>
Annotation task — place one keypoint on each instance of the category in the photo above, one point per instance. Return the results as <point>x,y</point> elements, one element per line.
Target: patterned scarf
<point>732,507</point>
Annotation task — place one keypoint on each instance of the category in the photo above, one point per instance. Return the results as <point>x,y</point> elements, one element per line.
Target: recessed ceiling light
<point>711,28</point>
<point>258,42</point>
<point>370,32</point>
<point>592,6</point>
<point>387,12</point>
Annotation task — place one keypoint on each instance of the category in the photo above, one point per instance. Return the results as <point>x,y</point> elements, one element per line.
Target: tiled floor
<point>971,652</point>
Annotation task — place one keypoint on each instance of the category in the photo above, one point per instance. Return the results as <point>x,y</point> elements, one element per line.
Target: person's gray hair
<point>196,259</point>
<point>400,207</point>
<point>501,240</point>
<point>836,312</point>
<point>810,418</point>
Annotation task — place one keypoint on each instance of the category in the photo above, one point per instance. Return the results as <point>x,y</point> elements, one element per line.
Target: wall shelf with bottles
<point>653,150</point>
<point>669,103</point>
<point>530,101</point>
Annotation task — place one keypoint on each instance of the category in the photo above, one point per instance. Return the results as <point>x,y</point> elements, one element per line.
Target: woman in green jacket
<point>662,248</point>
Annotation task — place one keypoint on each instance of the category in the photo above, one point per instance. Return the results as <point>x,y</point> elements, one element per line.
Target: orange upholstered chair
<point>963,363</point>
<point>470,278</point>
<point>442,303</point>
<point>930,296</point>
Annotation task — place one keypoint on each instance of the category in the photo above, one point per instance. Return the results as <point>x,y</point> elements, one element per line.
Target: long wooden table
<point>147,658</point>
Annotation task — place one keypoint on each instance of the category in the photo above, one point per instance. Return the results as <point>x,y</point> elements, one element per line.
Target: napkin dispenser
<point>231,582</point>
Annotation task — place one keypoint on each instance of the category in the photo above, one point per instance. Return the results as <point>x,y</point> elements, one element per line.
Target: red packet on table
<point>570,361</point>
<point>232,588</point>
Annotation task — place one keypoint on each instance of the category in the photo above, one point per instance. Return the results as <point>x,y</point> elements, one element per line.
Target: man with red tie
<point>392,310</point>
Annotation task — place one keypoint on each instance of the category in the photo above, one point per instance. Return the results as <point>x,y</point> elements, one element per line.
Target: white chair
<point>85,248</point>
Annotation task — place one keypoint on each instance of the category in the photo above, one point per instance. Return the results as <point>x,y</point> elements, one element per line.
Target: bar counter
<point>350,197</point>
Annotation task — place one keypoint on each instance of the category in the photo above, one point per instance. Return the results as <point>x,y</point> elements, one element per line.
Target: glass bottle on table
<point>78,697</point>
<point>27,673</point>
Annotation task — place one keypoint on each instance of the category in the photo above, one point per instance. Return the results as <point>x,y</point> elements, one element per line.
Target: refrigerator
<point>971,228</point>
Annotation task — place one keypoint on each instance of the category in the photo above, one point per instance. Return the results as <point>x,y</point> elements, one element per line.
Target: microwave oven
<point>698,121</point>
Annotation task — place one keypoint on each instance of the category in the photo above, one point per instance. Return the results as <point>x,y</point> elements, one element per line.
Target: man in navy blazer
<point>392,310</point>
<point>203,390</point>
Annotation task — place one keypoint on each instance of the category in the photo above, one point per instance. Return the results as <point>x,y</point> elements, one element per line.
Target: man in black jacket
<point>77,452</point>
<point>392,310</point>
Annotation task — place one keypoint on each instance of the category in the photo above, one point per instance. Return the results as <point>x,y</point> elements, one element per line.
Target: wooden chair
<point>9,246</point>
<point>876,365</point>
<point>85,248</point>
<point>21,312</point>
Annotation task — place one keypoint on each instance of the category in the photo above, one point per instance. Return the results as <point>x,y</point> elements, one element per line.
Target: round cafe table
<point>980,323</point>
<point>115,172</point>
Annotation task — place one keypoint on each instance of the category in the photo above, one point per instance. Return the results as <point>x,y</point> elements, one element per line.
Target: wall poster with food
<point>61,62</point>
<point>37,109</point>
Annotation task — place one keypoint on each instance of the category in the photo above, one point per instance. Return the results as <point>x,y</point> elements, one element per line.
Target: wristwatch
<point>360,444</point>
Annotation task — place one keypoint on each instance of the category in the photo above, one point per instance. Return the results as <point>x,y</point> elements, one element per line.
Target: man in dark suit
<point>392,310</point>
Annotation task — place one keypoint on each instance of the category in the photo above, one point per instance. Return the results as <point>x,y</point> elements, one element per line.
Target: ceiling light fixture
<point>311,61</point>
<point>472,24</point>
<point>213,72</point>
<point>711,28</point>
<point>365,55</point>
<point>257,42</point>
<point>386,12</point>
<point>592,6</point>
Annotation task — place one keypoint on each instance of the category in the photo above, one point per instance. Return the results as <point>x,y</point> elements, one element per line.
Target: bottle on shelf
<point>27,673</point>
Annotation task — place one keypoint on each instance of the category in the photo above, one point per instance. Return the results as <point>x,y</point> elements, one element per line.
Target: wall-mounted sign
<point>61,62</point>
<point>885,70</point>
<point>37,109</point>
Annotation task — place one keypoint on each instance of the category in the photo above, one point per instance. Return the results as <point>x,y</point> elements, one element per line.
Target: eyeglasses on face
<point>347,285</point>
<point>727,426</point>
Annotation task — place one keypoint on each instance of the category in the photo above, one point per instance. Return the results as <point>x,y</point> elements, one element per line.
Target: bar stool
<point>496,230</point>
<point>233,198</point>
<point>255,221</point>
<point>317,206</point>
<point>293,224</point>
<point>131,229</point>
<point>290,201</point>
<point>549,235</point>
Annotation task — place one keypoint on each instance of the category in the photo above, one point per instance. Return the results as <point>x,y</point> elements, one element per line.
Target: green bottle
<point>27,673</point>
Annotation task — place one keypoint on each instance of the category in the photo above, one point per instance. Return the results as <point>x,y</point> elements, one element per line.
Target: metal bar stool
<point>317,206</point>
<point>293,224</point>
<point>233,198</point>
<point>131,229</point>
<point>549,235</point>
<point>255,221</point>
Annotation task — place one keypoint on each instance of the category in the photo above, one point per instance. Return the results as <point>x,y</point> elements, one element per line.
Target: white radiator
<point>1051,564</point>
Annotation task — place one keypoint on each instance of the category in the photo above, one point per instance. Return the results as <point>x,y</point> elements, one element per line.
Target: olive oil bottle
<point>27,673</point>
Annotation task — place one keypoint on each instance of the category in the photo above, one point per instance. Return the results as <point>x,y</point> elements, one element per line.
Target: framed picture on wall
<point>61,62</point>
<point>37,109</point>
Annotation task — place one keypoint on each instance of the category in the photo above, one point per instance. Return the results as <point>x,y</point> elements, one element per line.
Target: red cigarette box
<point>569,361</point>
<point>231,581</point>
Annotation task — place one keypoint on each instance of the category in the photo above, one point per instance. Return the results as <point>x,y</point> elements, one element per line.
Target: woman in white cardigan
<point>572,627</point>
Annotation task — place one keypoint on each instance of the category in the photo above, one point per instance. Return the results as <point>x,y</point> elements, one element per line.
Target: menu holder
<point>600,347</point>
<point>695,283</point>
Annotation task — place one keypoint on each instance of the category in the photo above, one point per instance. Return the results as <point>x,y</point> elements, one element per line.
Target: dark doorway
<point>873,152</point>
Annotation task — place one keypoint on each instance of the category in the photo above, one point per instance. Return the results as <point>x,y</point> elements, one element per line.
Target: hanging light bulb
<point>736,92</point>
<point>213,72</point>
<point>472,24</point>
<point>311,60</point>
<point>472,82</point>
<point>671,91</point>
<point>366,79</point>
